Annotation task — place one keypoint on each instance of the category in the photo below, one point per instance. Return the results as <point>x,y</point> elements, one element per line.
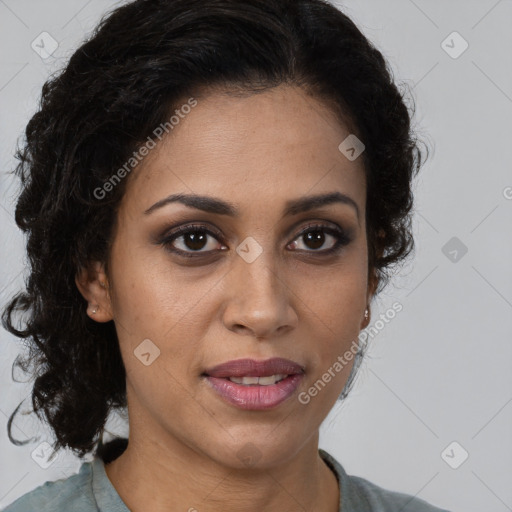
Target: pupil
<point>195,241</point>
<point>317,240</point>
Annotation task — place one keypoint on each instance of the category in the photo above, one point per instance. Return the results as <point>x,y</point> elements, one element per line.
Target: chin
<point>254,450</point>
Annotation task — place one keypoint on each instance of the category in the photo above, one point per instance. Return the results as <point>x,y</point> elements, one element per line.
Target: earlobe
<point>94,309</point>
<point>366,320</point>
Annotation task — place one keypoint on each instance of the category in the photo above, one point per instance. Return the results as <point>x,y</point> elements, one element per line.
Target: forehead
<point>259,149</point>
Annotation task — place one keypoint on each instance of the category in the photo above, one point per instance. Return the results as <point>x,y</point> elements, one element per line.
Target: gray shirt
<point>90,490</point>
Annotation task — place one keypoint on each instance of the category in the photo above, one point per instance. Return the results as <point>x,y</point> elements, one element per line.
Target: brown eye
<point>191,240</point>
<point>315,237</point>
<point>196,240</point>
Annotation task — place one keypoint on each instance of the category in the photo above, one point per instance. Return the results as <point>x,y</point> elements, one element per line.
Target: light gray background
<point>440,371</point>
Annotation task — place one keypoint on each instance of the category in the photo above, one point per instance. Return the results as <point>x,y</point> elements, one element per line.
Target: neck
<point>150,475</point>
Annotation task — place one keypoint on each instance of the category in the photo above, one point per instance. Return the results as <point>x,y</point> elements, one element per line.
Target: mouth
<point>242,368</point>
<point>255,385</point>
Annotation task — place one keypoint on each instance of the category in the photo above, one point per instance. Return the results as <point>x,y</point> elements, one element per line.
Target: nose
<point>259,301</point>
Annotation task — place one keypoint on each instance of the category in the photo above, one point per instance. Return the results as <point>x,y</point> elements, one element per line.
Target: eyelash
<point>341,236</point>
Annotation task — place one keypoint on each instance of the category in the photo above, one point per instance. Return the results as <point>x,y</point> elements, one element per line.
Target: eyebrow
<point>221,207</point>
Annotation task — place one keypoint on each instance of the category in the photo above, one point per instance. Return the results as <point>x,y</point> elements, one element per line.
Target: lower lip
<point>255,397</point>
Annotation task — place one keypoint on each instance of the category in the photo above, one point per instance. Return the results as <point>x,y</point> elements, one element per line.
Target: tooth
<point>262,381</point>
<point>265,381</point>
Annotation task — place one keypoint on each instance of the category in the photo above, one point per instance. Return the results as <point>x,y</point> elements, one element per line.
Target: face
<point>259,282</point>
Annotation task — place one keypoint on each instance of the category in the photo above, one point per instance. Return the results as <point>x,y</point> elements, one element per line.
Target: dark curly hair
<point>120,84</point>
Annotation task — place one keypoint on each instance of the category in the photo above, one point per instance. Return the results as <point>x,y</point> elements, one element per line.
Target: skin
<point>256,152</point>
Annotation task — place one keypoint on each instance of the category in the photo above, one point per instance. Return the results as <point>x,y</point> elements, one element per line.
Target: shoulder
<point>360,494</point>
<point>65,495</point>
<point>385,500</point>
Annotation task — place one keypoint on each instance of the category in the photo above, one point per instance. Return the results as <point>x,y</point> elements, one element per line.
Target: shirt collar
<point>107,498</point>
<point>347,491</point>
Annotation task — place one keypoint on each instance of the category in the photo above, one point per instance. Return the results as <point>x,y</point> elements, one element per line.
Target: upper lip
<point>253,368</point>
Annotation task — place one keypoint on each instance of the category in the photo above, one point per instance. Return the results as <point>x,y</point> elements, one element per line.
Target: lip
<point>253,368</point>
<point>255,397</point>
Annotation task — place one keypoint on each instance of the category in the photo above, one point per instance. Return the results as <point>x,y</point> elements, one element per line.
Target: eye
<point>193,240</point>
<point>316,236</point>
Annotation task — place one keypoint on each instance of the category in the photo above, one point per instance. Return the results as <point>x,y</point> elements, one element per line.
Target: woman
<point>214,192</point>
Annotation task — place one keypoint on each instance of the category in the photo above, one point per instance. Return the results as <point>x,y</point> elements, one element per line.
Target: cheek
<point>335,319</point>
<point>332,303</point>
<point>150,295</point>
<point>158,305</point>
<point>335,294</point>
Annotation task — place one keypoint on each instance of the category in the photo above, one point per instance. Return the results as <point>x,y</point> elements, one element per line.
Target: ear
<point>92,282</point>
<point>372,288</point>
